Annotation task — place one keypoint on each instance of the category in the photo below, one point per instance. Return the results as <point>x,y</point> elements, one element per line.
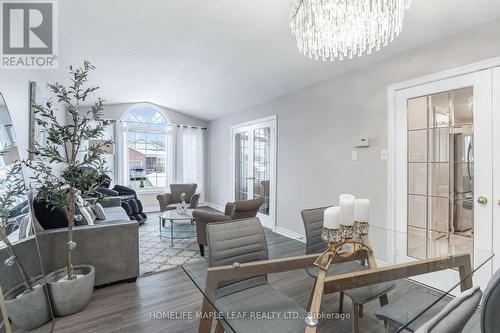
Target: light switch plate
<point>383,154</point>
<point>354,155</point>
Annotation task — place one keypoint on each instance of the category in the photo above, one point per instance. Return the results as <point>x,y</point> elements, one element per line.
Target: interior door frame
<point>496,165</point>
<point>392,117</point>
<point>269,222</point>
<point>397,166</point>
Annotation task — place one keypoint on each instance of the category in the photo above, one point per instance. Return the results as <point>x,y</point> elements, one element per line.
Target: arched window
<point>147,149</point>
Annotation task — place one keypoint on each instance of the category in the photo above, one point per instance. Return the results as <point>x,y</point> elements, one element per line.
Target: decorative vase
<point>184,208</point>
<point>71,296</point>
<point>28,310</point>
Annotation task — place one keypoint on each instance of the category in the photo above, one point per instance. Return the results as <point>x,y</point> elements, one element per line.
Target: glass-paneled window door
<point>253,165</point>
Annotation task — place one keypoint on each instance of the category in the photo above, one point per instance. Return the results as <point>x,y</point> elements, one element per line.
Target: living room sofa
<point>111,246</point>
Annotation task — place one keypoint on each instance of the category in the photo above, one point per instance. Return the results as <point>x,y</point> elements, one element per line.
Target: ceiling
<point>210,58</point>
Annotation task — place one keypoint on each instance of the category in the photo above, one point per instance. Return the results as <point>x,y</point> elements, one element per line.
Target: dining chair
<point>490,306</point>
<point>438,318</point>
<point>455,315</point>
<point>242,241</point>
<point>313,225</point>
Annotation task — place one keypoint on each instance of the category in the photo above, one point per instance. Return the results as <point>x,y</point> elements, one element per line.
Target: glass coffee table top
<point>423,285</point>
<point>176,225</point>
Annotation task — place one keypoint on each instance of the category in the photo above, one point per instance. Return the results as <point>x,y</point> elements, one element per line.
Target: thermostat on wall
<point>363,142</point>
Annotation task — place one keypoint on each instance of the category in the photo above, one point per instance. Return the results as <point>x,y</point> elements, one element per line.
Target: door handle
<point>482,200</point>
<point>250,178</point>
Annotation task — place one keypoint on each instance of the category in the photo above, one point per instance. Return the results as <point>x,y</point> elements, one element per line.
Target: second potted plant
<point>67,150</point>
<point>27,303</point>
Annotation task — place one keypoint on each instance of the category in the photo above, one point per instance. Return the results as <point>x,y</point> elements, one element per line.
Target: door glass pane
<point>417,207</point>
<point>439,181</point>
<point>417,178</point>
<point>439,110</point>
<point>417,113</point>
<point>463,150</point>
<point>417,243</point>
<point>439,139</point>
<point>241,163</point>
<point>462,106</point>
<point>417,146</point>
<point>440,189</point>
<point>439,214</point>
<point>262,166</point>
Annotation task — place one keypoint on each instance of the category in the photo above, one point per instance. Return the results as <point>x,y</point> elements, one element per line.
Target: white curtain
<point>122,153</point>
<point>186,157</point>
<point>170,156</point>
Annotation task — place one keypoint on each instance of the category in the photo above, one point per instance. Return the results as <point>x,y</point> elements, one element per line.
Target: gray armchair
<point>168,201</point>
<point>233,211</point>
<point>251,294</point>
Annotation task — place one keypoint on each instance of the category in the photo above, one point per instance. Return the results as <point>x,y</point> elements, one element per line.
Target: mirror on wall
<point>24,297</point>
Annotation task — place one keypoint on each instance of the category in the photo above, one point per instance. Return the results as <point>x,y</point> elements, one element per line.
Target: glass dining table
<point>427,275</point>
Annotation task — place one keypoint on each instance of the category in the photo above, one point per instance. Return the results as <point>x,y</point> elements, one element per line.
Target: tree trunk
<point>19,265</point>
<point>71,218</point>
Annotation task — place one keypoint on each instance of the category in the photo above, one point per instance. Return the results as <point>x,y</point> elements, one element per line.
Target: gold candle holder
<point>343,241</point>
<point>361,228</point>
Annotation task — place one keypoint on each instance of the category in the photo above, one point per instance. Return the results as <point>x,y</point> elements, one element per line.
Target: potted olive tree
<point>57,166</point>
<point>27,303</point>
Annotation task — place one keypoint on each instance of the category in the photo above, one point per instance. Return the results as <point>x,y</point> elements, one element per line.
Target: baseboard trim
<point>212,205</point>
<point>290,234</point>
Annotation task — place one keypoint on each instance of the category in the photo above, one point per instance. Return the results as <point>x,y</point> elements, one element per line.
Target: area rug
<point>155,253</point>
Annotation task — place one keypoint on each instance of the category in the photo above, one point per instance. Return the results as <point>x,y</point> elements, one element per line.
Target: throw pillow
<point>85,213</point>
<point>99,211</point>
<point>93,215</point>
<point>83,221</point>
<point>48,216</point>
<point>24,226</point>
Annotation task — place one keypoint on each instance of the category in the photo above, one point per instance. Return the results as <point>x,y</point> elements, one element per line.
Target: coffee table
<point>173,217</point>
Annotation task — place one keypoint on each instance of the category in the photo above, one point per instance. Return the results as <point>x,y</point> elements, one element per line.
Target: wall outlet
<point>383,154</point>
<point>354,155</point>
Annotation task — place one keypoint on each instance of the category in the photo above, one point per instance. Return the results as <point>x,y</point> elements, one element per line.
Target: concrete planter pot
<point>71,296</point>
<point>28,310</point>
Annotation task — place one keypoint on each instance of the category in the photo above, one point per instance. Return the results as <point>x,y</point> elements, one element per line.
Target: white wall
<point>319,125</point>
<point>14,87</point>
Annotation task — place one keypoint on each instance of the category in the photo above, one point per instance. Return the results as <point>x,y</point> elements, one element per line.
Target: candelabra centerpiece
<point>345,230</point>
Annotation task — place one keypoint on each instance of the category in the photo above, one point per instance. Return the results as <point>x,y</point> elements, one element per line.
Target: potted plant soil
<point>27,303</point>
<point>67,150</point>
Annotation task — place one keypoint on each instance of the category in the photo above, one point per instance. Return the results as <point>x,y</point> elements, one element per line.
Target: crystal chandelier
<point>338,29</point>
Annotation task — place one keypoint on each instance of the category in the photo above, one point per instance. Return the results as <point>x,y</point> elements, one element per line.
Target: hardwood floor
<point>130,307</point>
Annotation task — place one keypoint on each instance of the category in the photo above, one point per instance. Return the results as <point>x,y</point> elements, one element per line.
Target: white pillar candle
<point>361,210</point>
<point>331,218</point>
<point>347,209</point>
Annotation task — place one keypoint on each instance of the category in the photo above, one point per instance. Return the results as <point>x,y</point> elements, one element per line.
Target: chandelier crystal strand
<point>338,29</point>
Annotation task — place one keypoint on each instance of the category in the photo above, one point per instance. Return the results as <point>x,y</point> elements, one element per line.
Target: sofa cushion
<point>116,214</point>
<point>177,189</point>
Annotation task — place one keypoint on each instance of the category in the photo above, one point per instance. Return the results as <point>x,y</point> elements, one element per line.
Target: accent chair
<point>168,201</point>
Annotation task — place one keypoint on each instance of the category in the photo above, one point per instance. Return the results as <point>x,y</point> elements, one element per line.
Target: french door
<point>254,170</point>
<point>445,170</point>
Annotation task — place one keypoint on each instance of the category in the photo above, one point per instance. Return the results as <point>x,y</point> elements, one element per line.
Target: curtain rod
<point>168,124</point>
